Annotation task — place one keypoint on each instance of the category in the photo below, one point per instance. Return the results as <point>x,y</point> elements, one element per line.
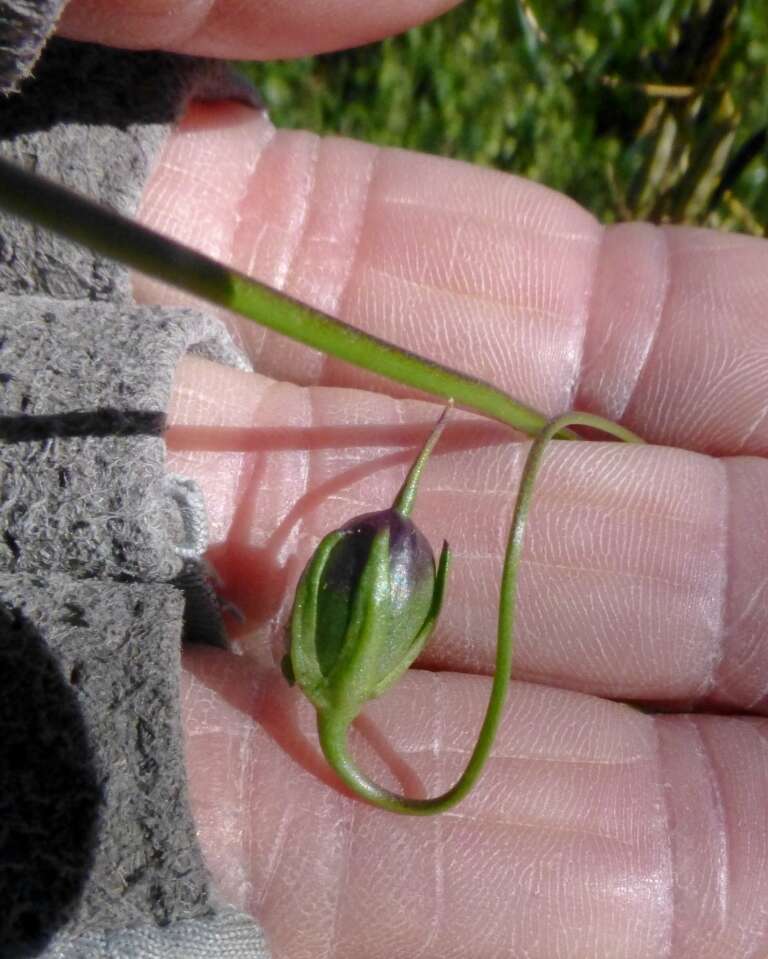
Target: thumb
<point>247,31</point>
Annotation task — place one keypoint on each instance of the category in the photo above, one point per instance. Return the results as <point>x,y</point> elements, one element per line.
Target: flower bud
<point>366,604</point>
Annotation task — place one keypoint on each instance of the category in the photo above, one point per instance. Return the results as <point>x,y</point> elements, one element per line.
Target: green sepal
<point>424,634</point>
<point>366,603</point>
<point>353,680</point>
<point>305,666</point>
<point>345,680</point>
<point>286,668</point>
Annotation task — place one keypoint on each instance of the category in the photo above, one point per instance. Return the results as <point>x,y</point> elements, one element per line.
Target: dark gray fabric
<point>96,840</point>
<point>96,837</point>
<point>98,858</point>
<point>84,387</point>
<point>94,801</point>
<point>93,119</point>
<point>25,25</point>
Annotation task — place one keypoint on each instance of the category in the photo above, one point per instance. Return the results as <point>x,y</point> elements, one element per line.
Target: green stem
<point>333,729</point>
<point>67,213</point>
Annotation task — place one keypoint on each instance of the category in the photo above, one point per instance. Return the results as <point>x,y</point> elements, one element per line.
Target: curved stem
<point>79,219</point>
<point>333,729</point>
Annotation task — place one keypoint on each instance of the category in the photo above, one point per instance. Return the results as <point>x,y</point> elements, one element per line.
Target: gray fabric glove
<point>98,856</point>
<point>25,25</point>
<point>93,119</point>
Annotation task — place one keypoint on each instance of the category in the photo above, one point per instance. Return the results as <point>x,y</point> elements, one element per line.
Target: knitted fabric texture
<point>93,119</point>
<point>99,548</point>
<point>25,25</point>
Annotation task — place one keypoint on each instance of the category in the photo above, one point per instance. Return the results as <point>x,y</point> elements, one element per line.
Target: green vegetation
<point>636,108</point>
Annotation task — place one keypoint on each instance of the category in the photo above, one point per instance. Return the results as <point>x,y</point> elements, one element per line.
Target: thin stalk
<point>406,497</point>
<point>79,219</point>
<point>333,729</point>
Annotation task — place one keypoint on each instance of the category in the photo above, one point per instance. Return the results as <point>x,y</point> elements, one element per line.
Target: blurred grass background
<point>637,109</point>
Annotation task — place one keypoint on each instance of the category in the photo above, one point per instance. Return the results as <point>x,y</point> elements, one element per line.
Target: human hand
<point>597,830</point>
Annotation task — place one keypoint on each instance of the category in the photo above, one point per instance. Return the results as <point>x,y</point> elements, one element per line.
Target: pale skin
<point>596,830</point>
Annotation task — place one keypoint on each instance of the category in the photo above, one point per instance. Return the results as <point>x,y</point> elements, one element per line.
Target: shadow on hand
<point>262,694</point>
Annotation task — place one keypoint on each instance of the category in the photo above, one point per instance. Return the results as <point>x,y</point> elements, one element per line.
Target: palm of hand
<point>597,830</point>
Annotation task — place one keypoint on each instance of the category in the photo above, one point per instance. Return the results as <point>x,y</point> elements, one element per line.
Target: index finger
<point>664,329</point>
